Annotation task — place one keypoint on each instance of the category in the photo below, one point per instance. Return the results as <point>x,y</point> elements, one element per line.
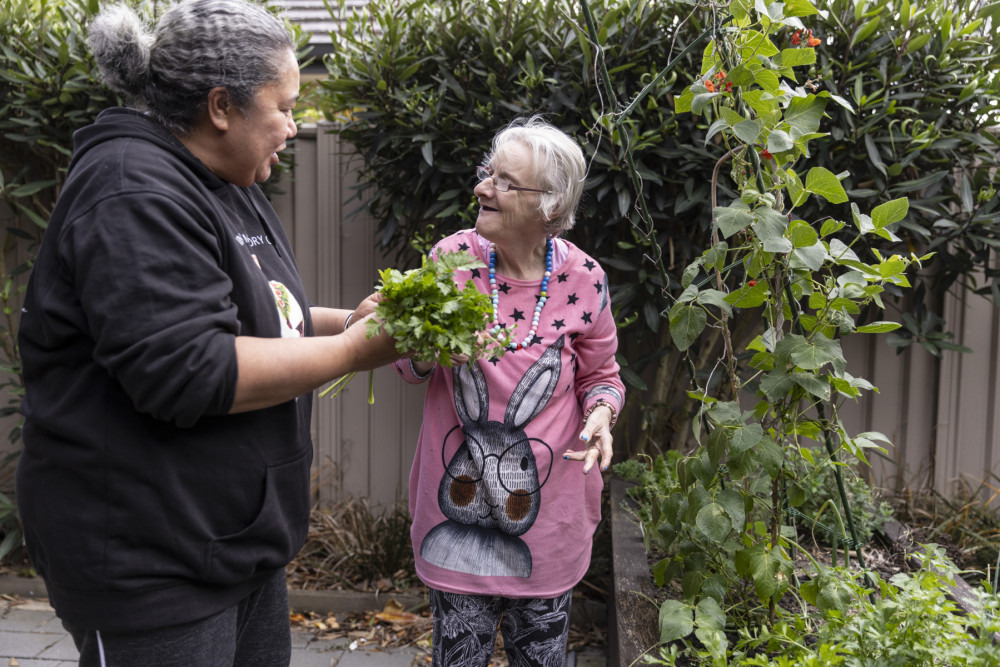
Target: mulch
<point>395,627</point>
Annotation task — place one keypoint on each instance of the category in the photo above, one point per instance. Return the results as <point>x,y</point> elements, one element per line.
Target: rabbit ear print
<point>472,398</point>
<point>535,389</point>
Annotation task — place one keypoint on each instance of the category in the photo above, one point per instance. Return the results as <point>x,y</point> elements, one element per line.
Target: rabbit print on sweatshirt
<point>490,492</point>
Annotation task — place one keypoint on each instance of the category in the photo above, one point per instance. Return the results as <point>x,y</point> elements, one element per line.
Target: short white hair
<point>557,165</point>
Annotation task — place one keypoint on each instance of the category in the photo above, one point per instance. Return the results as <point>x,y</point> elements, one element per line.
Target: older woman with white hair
<point>502,528</point>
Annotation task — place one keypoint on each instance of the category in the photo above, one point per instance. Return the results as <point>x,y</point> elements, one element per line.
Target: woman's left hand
<point>596,434</point>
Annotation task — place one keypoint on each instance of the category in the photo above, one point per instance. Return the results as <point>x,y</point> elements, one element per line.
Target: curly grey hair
<point>197,45</point>
<point>557,165</point>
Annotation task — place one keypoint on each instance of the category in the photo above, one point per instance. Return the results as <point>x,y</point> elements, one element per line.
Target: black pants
<point>534,630</point>
<point>252,633</point>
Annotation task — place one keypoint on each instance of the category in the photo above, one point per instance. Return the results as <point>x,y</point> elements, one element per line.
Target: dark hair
<point>197,45</point>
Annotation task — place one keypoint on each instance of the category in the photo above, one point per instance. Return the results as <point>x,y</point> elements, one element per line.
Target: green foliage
<point>912,621</point>
<point>722,523</point>
<point>421,87</point>
<point>432,318</point>
<point>820,501</point>
<point>922,78</point>
<point>909,619</point>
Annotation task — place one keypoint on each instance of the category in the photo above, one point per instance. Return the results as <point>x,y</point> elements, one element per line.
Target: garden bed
<point>633,610</point>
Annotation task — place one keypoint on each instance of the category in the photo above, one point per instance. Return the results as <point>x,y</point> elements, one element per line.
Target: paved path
<point>32,636</point>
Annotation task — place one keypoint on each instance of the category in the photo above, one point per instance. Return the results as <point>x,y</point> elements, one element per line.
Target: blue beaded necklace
<point>543,295</point>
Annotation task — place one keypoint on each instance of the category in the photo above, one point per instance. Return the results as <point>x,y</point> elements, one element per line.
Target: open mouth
<point>487,208</point>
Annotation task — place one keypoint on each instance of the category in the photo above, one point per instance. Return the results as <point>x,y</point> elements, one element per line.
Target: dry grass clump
<point>355,546</point>
<point>967,524</point>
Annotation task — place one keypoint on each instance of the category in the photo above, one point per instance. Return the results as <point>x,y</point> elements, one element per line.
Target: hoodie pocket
<point>274,537</point>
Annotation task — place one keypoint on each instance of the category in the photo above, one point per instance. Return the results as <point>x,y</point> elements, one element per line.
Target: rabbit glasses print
<point>490,493</point>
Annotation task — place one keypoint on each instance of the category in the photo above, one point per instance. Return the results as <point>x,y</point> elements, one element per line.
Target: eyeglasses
<point>502,184</point>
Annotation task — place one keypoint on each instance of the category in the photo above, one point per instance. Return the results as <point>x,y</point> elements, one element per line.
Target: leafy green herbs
<point>432,318</point>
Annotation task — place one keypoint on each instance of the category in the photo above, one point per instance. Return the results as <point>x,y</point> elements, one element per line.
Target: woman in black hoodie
<point>170,353</point>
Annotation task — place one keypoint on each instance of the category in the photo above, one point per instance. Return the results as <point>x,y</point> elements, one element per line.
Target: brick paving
<point>32,636</point>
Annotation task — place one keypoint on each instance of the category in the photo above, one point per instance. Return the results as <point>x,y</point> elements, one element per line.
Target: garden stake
<point>841,489</point>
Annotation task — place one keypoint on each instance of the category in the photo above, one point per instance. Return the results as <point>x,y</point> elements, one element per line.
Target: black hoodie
<point>144,503</point>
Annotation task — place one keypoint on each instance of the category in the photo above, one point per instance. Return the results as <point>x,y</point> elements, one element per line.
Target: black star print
<point>503,287</point>
<point>590,265</point>
<point>494,361</point>
<point>574,335</point>
<point>475,273</point>
<point>517,315</point>
<point>573,298</point>
<point>463,246</point>
<point>559,324</point>
<point>586,317</point>
<point>537,340</point>
<point>563,277</point>
<point>599,286</point>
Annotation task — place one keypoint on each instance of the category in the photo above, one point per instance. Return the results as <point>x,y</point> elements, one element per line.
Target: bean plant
<point>720,513</point>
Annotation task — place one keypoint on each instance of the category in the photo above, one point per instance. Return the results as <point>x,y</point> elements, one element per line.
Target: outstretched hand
<point>596,436</point>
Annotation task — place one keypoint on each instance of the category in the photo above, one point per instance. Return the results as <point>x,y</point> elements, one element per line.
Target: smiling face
<point>254,139</point>
<point>512,216</point>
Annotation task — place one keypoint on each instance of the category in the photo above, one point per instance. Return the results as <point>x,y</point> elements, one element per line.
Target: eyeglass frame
<point>482,173</point>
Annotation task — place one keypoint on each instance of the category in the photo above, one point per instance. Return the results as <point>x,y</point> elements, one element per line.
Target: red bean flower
<point>796,37</point>
<point>766,154</point>
<point>812,40</point>
<point>710,86</point>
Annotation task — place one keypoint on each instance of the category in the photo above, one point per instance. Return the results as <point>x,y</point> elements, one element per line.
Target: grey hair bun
<point>120,43</point>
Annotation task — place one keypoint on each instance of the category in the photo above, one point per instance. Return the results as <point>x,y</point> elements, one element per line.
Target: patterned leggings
<point>534,630</point>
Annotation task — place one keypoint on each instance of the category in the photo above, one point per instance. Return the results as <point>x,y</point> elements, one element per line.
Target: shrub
<point>47,91</point>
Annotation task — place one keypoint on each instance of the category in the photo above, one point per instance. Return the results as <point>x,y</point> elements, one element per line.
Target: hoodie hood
<point>122,123</point>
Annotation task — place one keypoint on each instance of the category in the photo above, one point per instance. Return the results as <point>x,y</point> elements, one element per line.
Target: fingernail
<point>584,437</point>
<point>565,456</point>
<point>586,472</point>
<point>604,469</point>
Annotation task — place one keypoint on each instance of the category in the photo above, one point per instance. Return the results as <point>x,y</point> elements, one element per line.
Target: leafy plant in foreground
<point>912,620</point>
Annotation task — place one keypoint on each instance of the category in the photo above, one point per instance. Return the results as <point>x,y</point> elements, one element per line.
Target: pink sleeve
<point>598,377</point>
<point>406,370</point>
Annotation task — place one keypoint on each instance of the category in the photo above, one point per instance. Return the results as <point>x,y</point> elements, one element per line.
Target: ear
<point>535,388</point>
<point>220,108</point>
<point>472,397</point>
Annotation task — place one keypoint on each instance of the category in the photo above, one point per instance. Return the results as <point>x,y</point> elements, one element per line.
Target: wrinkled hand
<point>462,359</point>
<point>596,435</point>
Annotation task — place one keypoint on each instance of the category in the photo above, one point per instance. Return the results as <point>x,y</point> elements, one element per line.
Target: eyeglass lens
<point>499,184</point>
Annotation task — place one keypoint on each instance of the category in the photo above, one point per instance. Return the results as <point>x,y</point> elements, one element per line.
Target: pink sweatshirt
<point>496,509</point>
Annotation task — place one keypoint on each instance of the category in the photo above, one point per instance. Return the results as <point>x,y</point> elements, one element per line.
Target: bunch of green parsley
<point>430,317</point>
